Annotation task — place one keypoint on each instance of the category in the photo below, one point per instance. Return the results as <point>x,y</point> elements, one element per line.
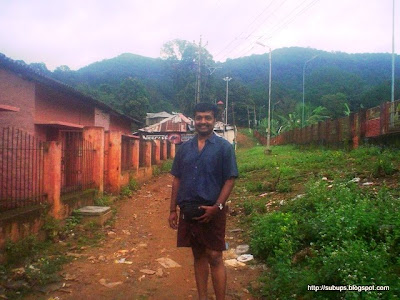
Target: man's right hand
<point>173,220</point>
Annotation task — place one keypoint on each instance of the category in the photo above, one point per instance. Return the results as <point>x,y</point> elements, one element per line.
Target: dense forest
<point>335,83</point>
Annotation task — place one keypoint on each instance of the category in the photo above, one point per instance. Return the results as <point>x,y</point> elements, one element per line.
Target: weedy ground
<point>322,217</point>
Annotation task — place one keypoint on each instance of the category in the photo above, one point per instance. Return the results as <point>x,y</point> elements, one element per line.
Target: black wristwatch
<point>219,205</point>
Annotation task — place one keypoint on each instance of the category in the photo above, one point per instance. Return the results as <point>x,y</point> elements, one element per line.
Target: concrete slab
<point>93,210</point>
<point>96,214</point>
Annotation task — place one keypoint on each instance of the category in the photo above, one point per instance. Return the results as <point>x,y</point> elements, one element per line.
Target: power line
<point>289,18</point>
<point>236,38</point>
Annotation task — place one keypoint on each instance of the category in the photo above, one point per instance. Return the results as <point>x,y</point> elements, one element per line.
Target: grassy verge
<point>322,217</point>
<point>33,262</point>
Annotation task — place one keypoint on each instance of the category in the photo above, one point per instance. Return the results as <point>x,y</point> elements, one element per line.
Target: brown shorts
<point>208,235</point>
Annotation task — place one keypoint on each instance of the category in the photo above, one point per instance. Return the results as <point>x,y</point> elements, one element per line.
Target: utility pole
<point>198,75</point>
<point>227,79</point>
<point>233,113</point>
<point>392,92</point>
<point>255,117</point>
<point>248,117</point>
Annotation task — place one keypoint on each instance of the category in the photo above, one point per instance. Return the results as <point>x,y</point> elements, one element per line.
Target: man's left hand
<point>209,213</point>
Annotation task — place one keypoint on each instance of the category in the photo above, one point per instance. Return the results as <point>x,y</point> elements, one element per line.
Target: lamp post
<point>304,73</point>
<point>268,149</point>
<point>227,79</point>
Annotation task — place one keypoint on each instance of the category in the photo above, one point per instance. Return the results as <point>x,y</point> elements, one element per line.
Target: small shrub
<point>274,236</point>
<point>126,192</point>
<point>254,206</point>
<point>156,170</point>
<point>104,200</point>
<point>133,185</point>
<point>166,166</point>
<point>24,248</point>
<point>284,186</point>
<point>51,227</point>
<point>383,166</point>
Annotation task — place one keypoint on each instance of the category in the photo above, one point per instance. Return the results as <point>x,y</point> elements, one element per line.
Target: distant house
<point>153,118</point>
<point>176,128</point>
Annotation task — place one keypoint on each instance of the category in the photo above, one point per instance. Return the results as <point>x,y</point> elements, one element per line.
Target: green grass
<point>337,233</point>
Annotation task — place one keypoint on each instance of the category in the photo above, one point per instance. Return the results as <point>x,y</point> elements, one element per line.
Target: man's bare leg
<point>218,273</point>
<point>201,271</point>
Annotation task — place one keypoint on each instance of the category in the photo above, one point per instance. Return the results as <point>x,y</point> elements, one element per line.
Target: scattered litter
<point>170,186</point>
<point>69,277</point>
<point>282,202</point>
<point>263,195</point>
<point>18,271</point>
<point>229,254</point>
<point>109,284</point>
<point>245,257</point>
<point>236,230</point>
<point>148,271</point>
<point>298,197</point>
<point>168,263</point>
<point>77,255</point>
<point>234,263</point>
<point>324,178</point>
<point>159,272</point>
<point>141,277</point>
<point>102,258</point>
<point>242,249</point>
<point>330,186</point>
<point>367,183</point>
<point>123,261</point>
<point>355,180</point>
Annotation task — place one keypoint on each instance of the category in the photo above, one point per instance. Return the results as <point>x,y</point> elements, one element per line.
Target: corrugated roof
<point>162,114</point>
<point>32,74</point>
<point>175,123</point>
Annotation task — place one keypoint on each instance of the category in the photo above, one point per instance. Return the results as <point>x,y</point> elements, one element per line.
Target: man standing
<point>204,173</point>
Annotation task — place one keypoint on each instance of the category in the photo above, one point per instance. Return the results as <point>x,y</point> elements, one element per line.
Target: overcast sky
<point>76,33</point>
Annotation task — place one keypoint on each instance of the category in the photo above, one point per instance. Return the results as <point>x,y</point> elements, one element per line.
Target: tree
<point>41,67</point>
<point>182,58</point>
<point>133,99</point>
<point>335,104</point>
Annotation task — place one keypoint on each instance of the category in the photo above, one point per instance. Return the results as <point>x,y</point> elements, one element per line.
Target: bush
<point>133,185</point>
<point>104,200</point>
<point>340,235</point>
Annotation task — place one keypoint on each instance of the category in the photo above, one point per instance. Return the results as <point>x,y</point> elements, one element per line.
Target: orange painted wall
<point>18,92</point>
<point>120,124</point>
<point>54,106</point>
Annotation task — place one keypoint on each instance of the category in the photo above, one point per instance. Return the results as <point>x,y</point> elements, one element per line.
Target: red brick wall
<point>18,92</point>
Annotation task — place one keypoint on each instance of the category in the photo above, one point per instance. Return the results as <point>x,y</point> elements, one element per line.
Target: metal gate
<point>76,162</point>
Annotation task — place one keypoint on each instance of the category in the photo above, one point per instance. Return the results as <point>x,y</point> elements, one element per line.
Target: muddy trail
<point>139,259</point>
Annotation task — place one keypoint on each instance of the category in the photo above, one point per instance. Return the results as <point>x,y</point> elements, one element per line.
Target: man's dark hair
<point>205,106</point>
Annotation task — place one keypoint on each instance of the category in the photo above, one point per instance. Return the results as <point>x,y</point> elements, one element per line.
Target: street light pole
<point>268,149</point>
<point>227,79</point>
<point>304,73</point>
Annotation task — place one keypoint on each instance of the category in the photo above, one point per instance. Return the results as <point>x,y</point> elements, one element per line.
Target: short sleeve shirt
<point>203,174</point>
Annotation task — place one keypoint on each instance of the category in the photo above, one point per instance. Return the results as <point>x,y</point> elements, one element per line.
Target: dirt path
<point>141,235</point>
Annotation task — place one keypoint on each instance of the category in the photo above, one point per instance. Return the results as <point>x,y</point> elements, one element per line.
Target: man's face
<point>204,122</point>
